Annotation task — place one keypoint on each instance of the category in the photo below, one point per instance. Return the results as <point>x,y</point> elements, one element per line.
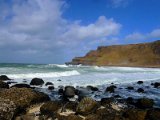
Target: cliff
<point>134,55</point>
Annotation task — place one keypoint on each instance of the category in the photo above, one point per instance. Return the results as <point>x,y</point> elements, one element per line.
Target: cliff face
<point>135,55</point>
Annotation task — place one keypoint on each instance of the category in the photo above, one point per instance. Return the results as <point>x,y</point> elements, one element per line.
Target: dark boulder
<point>60,91</point>
<point>130,88</point>
<point>69,91</point>
<point>140,90</point>
<point>92,88</point>
<point>145,103</point>
<point>111,88</point>
<point>87,106</point>
<point>156,84</point>
<point>36,81</point>
<point>48,83</point>
<point>107,101</point>
<point>140,82</point>
<point>4,85</point>
<point>4,77</point>
<point>50,87</point>
<point>21,86</point>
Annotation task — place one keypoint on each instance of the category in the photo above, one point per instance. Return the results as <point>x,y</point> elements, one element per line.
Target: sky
<point>55,31</point>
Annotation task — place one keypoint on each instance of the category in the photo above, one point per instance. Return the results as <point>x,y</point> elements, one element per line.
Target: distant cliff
<point>135,55</point>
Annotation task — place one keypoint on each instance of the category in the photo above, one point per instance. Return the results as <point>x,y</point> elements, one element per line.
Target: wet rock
<point>130,88</point>
<point>111,88</point>
<point>69,91</point>
<point>23,97</point>
<point>59,80</point>
<point>145,103</point>
<point>50,87</point>
<point>130,100</point>
<point>11,82</point>
<point>4,77</point>
<point>107,101</point>
<point>117,96</point>
<point>48,83</point>
<point>140,90</point>
<point>50,108</point>
<point>36,81</point>
<point>60,91</point>
<point>153,114</point>
<point>87,106</point>
<point>7,109</point>
<point>156,85</point>
<point>4,85</point>
<point>92,88</point>
<point>21,86</point>
<point>134,114</point>
<point>140,82</point>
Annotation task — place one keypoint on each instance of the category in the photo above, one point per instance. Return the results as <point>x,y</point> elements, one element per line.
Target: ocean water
<point>88,75</point>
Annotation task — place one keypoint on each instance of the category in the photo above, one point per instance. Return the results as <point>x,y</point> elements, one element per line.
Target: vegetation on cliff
<point>141,55</point>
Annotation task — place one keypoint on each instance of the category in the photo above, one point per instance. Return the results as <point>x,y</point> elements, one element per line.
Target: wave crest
<point>44,75</point>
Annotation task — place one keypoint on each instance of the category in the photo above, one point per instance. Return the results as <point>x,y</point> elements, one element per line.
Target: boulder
<point>111,88</point>
<point>48,83</point>
<point>156,84</point>
<point>4,85</point>
<point>23,97</point>
<point>4,77</point>
<point>60,91</point>
<point>36,81</point>
<point>130,88</point>
<point>7,109</point>
<point>21,85</point>
<point>69,91</point>
<point>50,87</point>
<point>92,88</point>
<point>87,106</point>
<point>107,101</point>
<point>140,90</point>
<point>50,107</point>
<point>145,103</point>
<point>134,114</point>
<point>140,82</point>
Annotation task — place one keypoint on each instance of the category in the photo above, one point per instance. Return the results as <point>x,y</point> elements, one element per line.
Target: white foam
<point>43,75</point>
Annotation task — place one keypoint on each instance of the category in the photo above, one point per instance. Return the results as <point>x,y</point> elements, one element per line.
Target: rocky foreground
<point>22,102</point>
<point>133,55</point>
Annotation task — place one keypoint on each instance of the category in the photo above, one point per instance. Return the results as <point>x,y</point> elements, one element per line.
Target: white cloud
<point>37,28</point>
<point>154,34</point>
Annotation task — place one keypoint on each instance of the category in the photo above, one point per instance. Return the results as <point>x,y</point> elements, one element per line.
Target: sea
<point>81,76</point>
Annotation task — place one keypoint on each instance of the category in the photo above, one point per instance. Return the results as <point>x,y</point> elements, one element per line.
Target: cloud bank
<point>36,31</point>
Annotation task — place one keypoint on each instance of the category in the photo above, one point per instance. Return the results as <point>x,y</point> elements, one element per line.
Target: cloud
<point>154,34</point>
<point>120,3</point>
<point>36,31</point>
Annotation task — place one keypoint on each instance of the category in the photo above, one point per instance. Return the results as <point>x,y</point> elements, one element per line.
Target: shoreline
<point>72,101</point>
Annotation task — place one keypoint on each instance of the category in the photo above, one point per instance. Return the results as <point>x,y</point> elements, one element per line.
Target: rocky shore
<point>21,101</point>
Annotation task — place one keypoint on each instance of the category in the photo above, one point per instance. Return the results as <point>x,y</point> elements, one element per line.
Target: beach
<point>121,89</point>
